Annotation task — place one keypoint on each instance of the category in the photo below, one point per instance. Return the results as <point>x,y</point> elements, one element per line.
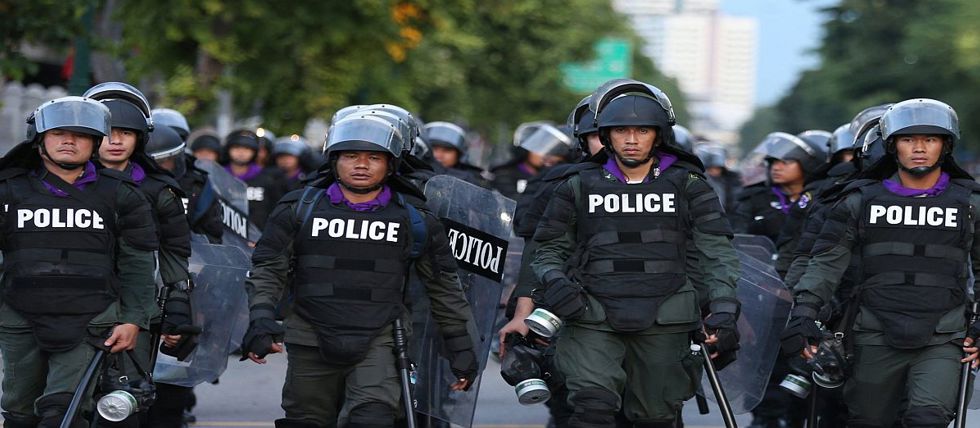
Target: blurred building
<point>712,56</point>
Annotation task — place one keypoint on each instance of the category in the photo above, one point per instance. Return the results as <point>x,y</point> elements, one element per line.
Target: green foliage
<point>877,51</point>
<point>50,23</point>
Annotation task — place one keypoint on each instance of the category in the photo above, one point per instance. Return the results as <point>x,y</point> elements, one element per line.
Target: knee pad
<point>594,407</point>
<point>11,420</point>
<point>371,415</point>
<point>295,423</point>
<point>926,417</point>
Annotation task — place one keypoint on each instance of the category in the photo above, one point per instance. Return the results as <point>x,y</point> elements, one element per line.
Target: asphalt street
<point>248,395</point>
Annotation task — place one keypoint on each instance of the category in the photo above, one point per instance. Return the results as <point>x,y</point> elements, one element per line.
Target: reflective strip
<point>644,237</point>
<point>369,265</point>
<point>634,266</point>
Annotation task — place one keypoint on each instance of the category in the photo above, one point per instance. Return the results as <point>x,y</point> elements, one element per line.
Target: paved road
<point>248,396</point>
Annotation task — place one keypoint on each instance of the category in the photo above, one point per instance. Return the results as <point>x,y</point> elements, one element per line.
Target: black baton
<point>723,406</point>
<point>960,421</point>
<point>404,367</point>
<point>76,399</point>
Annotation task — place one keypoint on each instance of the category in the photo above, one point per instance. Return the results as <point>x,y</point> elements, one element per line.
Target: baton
<point>811,419</point>
<point>960,421</point>
<point>404,366</point>
<point>155,332</point>
<point>723,406</point>
<point>76,399</point>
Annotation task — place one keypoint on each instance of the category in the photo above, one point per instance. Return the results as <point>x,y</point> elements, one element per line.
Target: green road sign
<point>613,60</point>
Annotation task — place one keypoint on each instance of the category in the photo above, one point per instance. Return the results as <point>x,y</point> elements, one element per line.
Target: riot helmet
<point>712,155</point>
<point>841,140</point>
<point>411,130</point>
<point>242,138</point>
<point>365,132</point>
<point>865,116</point>
<point>787,147</point>
<point>582,122</point>
<point>445,134</point>
<point>129,94</point>
<point>626,102</point>
<point>205,139</point>
<point>165,142</point>
<point>683,138</point>
<point>872,147</point>
<point>74,114</point>
<point>293,145</point>
<point>920,116</point>
<point>125,115</point>
<point>818,139</point>
<point>525,130</point>
<point>171,118</point>
<point>548,140</point>
<point>612,89</point>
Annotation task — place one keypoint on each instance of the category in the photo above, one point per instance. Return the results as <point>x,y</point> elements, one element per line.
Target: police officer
<point>288,153</point>
<point>167,150</point>
<point>78,247</point>
<point>544,146</point>
<point>683,138</point>
<point>761,208</point>
<point>265,185</point>
<point>726,182</point>
<point>123,151</point>
<point>911,219</point>
<point>448,144</point>
<point>629,320</point>
<point>358,233</point>
<point>205,144</point>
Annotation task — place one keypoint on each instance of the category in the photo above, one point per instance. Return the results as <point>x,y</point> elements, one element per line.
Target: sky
<point>788,29</point>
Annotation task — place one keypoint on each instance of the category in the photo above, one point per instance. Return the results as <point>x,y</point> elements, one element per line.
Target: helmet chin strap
<point>358,190</point>
<point>921,170</point>
<point>633,163</point>
<point>63,165</point>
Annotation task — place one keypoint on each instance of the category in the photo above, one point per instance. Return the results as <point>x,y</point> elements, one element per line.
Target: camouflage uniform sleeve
<point>438,271</point>
<point>271,260</point>
<point>134,256</point>
<point>555,234</point>
<point>717,263</point>
<point>831,253</point>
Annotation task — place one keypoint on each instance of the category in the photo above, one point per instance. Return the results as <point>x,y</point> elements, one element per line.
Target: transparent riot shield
<point>757,246</point>
<point>478,224</point>
<point>232,196</point>
<point>220,308</point>
<point>766,304</point>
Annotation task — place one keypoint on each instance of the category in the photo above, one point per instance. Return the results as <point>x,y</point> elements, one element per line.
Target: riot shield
<point>757,246</point>
<point>232,196</point>
<point>220,307</point>
<point>478,224</point>
<point>766,304</point>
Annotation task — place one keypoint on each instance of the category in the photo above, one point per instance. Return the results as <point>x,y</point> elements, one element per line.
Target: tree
<point>50,23</point>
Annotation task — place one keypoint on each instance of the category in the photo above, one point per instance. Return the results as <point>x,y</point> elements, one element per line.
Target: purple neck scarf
<point>88,176</point>
<point>783,201</point>
<point>897,188</point>
<point>337,196</point>
<point>253,171</point>
<point>523,167</point>
<point>666,160</point>
<point>137,172</point>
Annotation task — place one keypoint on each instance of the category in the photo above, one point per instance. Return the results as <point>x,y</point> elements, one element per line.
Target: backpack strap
<point>419,231</point>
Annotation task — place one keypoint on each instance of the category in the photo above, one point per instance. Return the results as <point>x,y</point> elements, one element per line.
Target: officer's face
<point>786,172</point>
<point>118,146</point>
<point>68,147</point>
<point>535,160</point>
<point>447,157</point>
<point>168,164</point>
<point>595,143</point>
<point>362,170</point>
<point>240,155</point>
<point>918,150</point>
<point>287,162</point>
<point>210,155</point>
<point>633,142</point>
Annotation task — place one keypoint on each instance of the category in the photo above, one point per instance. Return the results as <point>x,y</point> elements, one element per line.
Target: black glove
<point>723,324</point>
<point>177,313</point>
<point>802,329</point>
<point>462,359</point>
<point>263,331</point>
<point>560,296</point>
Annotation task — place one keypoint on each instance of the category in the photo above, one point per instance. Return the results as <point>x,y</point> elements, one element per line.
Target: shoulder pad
<point>116,175</point>
<point>569,170</point>
<point>691,168</point>
<point>752,190</point>
<point>853,185</point>
<point>168,180</point>
<point>292,196</point>
<point>8,173</point>
<point>969,184</point>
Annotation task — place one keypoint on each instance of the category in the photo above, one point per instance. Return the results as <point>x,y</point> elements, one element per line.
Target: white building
<point>712,56</point>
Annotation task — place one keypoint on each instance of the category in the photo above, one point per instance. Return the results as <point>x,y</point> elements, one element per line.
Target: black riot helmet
<point>841,140</point>
<point>164,143</point>
<point>364,132</point>
<point>412,129</point>
<point>116,92</point>
<point>125,115</point>
<point>548,140</point>
<point>818,139</point>
<point>920,116</point>
<point>872,148</point>
<point>75,114</point>
<point>712,155</point>
<point>786,147</point>
<point>582,122</point>
<point>171,118</point>
<point>612,89</point>
<point>243,138</point>
<point>683,138</point>
<point>294,145</point>
<point>204,139</point>
<point>445,134</point>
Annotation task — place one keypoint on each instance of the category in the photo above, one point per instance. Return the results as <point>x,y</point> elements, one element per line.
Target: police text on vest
<point>913,216</point>
<point>356,229</point>
<point>60,218</point>
<point>633,203</point>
